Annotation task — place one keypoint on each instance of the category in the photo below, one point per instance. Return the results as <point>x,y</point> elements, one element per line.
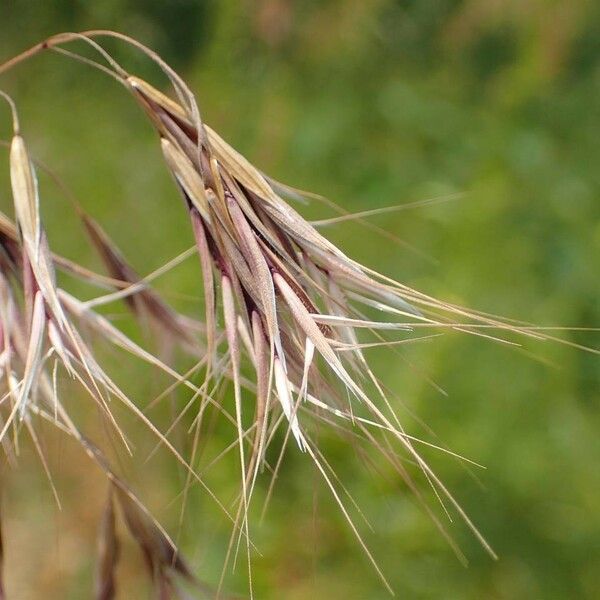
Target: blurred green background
<point>371,103</point>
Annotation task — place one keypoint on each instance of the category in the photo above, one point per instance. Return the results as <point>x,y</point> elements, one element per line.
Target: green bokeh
<point>373,103</point>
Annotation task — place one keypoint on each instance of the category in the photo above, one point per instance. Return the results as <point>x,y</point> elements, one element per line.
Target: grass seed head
<point>280,300</point>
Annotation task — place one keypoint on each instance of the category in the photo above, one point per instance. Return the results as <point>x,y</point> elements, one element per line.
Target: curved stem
<point>9,64</point>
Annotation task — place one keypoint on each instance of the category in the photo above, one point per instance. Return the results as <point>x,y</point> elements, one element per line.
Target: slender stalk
<point>13,62</point>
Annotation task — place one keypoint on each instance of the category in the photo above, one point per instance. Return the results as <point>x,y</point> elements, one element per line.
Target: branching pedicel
<point>291,304</point>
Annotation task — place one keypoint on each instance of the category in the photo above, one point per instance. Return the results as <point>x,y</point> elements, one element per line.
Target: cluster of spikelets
<point>291,305</point>
<point>39,332</point>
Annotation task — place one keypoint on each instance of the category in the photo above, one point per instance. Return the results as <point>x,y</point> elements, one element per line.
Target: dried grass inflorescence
<point>291,304</point>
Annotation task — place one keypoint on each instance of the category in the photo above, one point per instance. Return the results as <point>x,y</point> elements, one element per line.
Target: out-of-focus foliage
<point>370,103</point>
